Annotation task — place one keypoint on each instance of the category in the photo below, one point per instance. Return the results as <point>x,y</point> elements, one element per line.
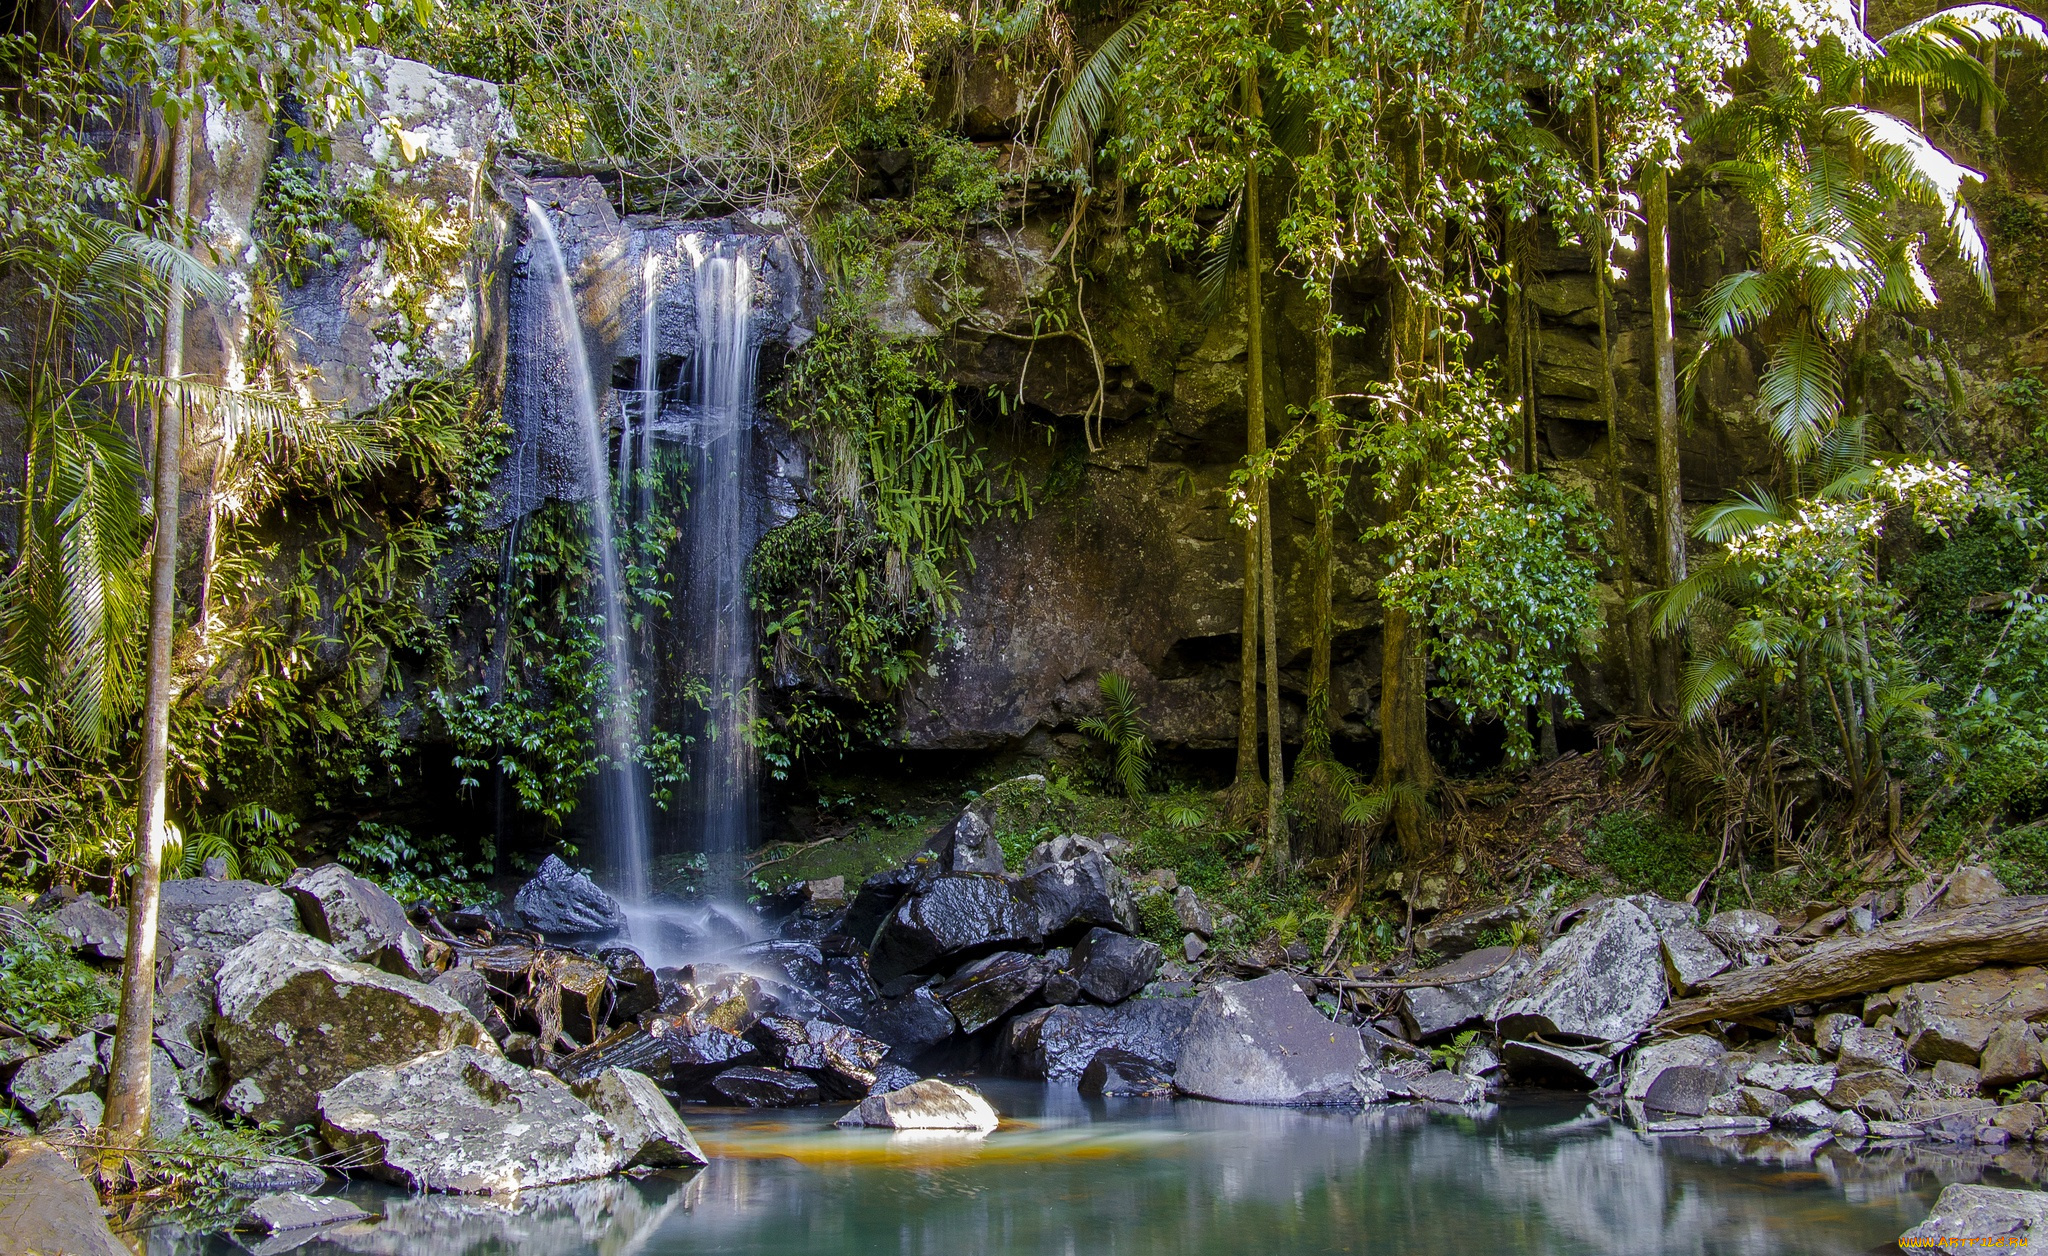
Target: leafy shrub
<point>1650,852</point>
<point>46,990</point>
<point>1158,923</point>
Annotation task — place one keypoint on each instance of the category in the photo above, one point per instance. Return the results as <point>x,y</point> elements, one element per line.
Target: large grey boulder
<point>1689,1051</point>
<point>1471,985</point>
<point>950,915</point>
<point>1690,956</point>
<point>1263,1042</point>
<point>1055,1044</point>
<point>47,1208</point>
<point>468,1121</point>
<point>647,1123</point>
<point>985,990</point>
<point>184,1013</point>
<point>561,902</point>
<point>925,1105</point>
<point>358,919</point>
<point>295,1018</point>
<point>72,1068</point>
<point>1974,1214</point>
<point>1601,982</point>
<point>842,1059</point>
<point>90,927</point>
<point>219,915</point>
<point>1954,1019</point>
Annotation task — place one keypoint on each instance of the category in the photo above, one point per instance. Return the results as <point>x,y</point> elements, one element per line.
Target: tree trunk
<point>1246,793</point>
<point>1635,631</point>
<point>1406,771</point>
<point>1936,945</point>
<point>1255,431</point>
<point>1315,733</point>
<point>127,1113</point>
<point>1663,346</point>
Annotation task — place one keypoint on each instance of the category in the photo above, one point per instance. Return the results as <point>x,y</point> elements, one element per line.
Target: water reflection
<point>1066,1175</point>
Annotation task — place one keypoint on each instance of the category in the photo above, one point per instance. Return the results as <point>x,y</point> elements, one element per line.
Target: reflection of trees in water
<point>1194,1178</point>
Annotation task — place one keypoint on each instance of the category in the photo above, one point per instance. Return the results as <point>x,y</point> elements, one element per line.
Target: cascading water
<point>720,537</point>
<point>624,819</point>
<point>650,376</point>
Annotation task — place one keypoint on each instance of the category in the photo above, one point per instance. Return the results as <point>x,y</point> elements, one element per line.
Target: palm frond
<point>1702,684</point>
<point>1715,581</point>
<point>1741,302</point>
<point>1084,104</point>
<point>119,246</point>
<point>1800,393</point>
<point>1923,173</point>
<point>1221,256</point>
<point>1739,516</point>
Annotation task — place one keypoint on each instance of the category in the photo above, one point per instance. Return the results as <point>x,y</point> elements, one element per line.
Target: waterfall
<point>624,817</point>
<point>650,375</point>
<point>720,537</point>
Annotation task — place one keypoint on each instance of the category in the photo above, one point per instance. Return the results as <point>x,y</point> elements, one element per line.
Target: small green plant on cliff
<point>1121,731</point>
<point>295,218</point>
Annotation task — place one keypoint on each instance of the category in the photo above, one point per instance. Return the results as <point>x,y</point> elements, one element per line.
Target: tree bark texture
<point>1671,564</point>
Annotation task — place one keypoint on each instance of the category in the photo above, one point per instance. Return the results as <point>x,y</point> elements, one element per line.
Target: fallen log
<point>2006,931</point>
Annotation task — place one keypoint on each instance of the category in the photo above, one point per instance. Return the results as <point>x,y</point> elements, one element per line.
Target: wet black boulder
<point>757,1086</point>
<point>1116,1072</point>
<point>985,990</point>
<point>953,915</point>
<point>912,1023</point>
<point>1112,966</point>
<point>561,902</point>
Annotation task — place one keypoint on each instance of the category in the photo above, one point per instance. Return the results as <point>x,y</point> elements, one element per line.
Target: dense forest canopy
<point>1839,661</point>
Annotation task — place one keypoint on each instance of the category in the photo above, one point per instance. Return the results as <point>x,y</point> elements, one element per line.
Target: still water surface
<point>1067,1175</point>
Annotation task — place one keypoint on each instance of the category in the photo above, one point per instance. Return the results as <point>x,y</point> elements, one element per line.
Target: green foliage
<point>294,218</point>
<point>435,870</point>
<point>1451,1055</point>
<point>1157,921</point>
<point>44,989</point>
<point>1121,730</point>
<point>252,839</point>
<point>1649,852</point>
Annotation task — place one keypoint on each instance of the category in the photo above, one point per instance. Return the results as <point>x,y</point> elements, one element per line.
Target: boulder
<point>1073,895</point>
<point>184,1013</point>
<point>284,1211</point>
<point>561,902</point>
<point>295,1018</point>
<point>628,1047</point>
<point>85,1112</point>
<point>1959,1081</point>
<point>1692,1050</point>
<point>1829,1029</point>
<point>1954,1018</point>
<point>1602,982</point>
<point>1972,885</point>
<point>1976,1217</point>
<point>1759,1101</point>
<point>1193,917</point>
<point>1263,1042</point>
<point>1115,1072</point>
<point>1444,1086</point>
<point>469,987</point>
<point>48,1208</point>
<point>2012,1054</point>
<point>1055,1044</point>
<point>1193,948</point>
<point>1683,1089</point>
<point>912,1023</point>
<point>90,927</point>
<point>647,1123</point>
<point>1862,1048</point>
<point>1558,1066</point>
<point>1807,1114</point>
<point>1112,966</point>
<point>468,1121</point>
<point>925,1105</point>
<point>359,919</point>
<point>219,916</point>
<point>696,1056</point>
<point>969,843</point>
<point>1800,1081</point>
<point>1741,931</point>
<point>842,1059</point>
<point>1879,1091</point>
<point>800,964</point>
<point>881,894</point>
<point>954,914</point>
<point>1472,984</point>
<point>754,1086</point>
<point>848,993</point>
<point>984,991</point>
<point>70,1069</point>
<point>890,1077</point>
<point>1452,935</point>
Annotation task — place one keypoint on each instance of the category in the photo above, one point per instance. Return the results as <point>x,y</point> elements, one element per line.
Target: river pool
<point>1067,1175</point>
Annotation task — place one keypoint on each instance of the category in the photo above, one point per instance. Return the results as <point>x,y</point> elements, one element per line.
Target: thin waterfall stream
<point>624,819</point>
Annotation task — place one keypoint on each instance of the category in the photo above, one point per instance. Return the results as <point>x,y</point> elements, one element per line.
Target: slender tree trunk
<point>1406,770</point>
<point>1246,791</point>
<point>1315,734</point>
<point>1635,636</point>
<point>1663,345</point>
<point>1255,424</point>
<point>127,1114</point>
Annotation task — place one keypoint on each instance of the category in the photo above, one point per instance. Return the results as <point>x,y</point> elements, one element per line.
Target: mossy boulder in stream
<point>296,1017</point>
